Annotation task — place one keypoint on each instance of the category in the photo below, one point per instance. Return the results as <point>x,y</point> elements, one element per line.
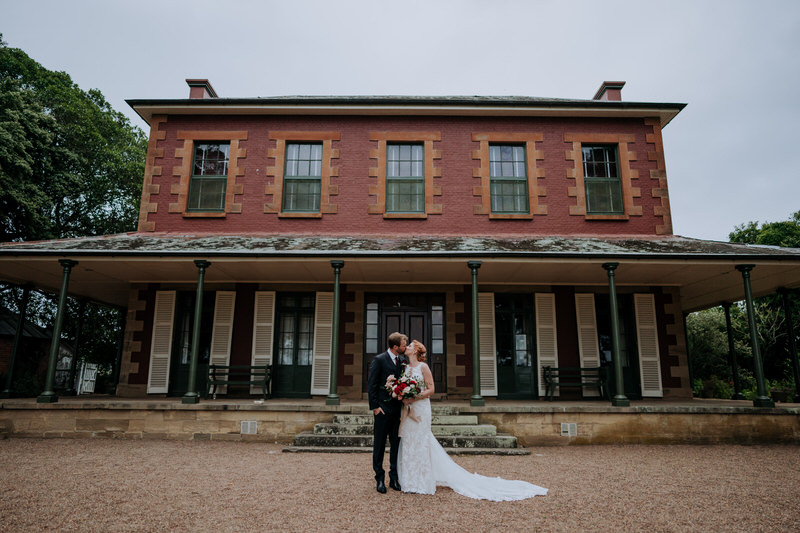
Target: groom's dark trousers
<point>388,424</point>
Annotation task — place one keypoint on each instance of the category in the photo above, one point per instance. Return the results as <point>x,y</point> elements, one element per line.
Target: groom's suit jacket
<point>379,370</point>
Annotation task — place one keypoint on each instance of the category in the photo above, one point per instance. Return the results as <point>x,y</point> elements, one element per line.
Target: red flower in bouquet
<point>404,388</point>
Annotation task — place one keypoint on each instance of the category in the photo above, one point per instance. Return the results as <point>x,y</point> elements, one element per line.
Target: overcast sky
<point>736,64</point>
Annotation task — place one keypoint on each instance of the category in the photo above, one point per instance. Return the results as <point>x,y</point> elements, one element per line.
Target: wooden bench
<point>575,377</point>
<point>252,375</point>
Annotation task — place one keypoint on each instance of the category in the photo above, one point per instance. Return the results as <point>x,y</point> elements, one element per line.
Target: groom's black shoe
<point>381,487</point>
<point>394,484</point>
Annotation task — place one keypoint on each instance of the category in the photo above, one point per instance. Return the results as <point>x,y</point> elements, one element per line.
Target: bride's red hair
<point>420,351</point>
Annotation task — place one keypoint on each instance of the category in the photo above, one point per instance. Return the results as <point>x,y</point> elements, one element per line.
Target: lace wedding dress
<point>423,464</point>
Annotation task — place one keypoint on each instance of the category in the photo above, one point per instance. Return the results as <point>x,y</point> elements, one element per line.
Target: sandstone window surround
<point>277,172</point>
<point>185,171</point>
<point>625,172</point>
<point>484,173</point>
<point>379,171</point>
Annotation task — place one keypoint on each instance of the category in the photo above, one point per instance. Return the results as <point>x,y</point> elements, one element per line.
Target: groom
<point>386,409</point>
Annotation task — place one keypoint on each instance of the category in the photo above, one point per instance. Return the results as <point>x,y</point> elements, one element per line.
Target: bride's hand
<point>408,401</point>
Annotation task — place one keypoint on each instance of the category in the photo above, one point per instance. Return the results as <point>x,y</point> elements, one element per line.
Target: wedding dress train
<point>423,464</point>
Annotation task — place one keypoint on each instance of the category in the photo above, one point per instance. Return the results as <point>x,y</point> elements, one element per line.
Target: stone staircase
<point>457,433</point>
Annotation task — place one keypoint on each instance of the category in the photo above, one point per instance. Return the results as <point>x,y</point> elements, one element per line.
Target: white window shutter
<point>546,340</point>
<point>647,337</point>
<point>161,345</point>
<point>486,341</point>
<point>588,343</point>
<point>323,336</point>
<point>263,328</point>
<point>222,331</point>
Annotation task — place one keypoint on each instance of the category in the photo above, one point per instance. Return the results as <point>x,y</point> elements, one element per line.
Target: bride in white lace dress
<point>422,462</point>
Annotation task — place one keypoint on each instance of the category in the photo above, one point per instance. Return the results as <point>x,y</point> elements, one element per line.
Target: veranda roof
<point>703,270</point>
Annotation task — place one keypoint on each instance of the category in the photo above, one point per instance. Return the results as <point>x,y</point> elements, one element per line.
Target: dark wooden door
<point>418,316</point>
<point>294,343</point>
<point>182,342</point>
<point>516,358</point>
<point>628,349</point>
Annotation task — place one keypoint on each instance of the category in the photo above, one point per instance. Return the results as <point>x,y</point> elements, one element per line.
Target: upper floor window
<point>302,177</point>
<point>301,180</point>
<point>209,178</point>
<point>602,180</point>
<point>508,177</point>
<point>405,178</point>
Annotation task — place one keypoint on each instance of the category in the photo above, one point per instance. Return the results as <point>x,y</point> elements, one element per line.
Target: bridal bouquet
<point>404,388</point>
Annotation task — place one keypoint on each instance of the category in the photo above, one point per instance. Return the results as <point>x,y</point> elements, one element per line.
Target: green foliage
<point>69,164</point>
<point>784,234</point>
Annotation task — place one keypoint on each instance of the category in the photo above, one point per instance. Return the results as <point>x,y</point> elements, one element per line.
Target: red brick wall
<point>457,181</point>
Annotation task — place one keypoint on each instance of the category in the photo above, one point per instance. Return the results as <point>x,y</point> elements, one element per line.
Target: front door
<point>515,346</point>
<point>419,316</point>
<point>182,341</point>
<point>628,350</point>
<point>294,343</point>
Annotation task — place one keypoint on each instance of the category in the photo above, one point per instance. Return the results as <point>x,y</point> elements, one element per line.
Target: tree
<point>70,165</point>
<point>706,329</point>
<point>785,234</point>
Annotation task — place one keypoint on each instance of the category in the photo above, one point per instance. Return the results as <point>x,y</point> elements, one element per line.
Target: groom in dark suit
<point>386,409</point>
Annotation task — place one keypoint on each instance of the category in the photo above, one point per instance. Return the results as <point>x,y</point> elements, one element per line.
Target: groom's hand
<point>377,411</point>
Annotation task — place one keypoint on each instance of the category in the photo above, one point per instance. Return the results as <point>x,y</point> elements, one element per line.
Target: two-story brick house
<point>399,209</point>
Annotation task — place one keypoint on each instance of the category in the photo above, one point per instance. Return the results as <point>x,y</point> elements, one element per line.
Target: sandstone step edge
<point>361,449</point>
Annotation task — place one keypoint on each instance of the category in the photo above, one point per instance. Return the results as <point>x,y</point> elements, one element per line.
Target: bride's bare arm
<point>428,377</point>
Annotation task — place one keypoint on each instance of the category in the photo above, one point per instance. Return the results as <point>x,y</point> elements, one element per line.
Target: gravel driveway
<point>129,485</point>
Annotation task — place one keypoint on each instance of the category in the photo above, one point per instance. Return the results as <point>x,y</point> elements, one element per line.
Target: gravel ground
<point>128,485</point>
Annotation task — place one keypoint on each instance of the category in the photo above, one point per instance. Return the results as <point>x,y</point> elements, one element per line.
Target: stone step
<point>437,429</point>
<point>435,409</point>
<point>448,441</point>
<point>364,449</point>
<point>439,420</point>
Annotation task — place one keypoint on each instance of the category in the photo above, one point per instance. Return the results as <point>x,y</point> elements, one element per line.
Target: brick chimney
<point>200,89</point>
<point>610,90</point>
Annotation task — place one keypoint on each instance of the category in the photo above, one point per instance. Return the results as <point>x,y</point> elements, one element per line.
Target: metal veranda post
<point>477,399</point>
<point>333,397</point>
<point>49,395</point>
<point>619,399</point>
<point>761,400</point>
<point>192,395</point>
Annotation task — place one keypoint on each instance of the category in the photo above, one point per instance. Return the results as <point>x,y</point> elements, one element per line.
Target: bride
<point>423,463</point>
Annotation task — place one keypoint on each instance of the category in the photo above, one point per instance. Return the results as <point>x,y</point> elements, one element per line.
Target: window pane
<point>597,197</point>
<point>211,159</point>
<point>206,194</point>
